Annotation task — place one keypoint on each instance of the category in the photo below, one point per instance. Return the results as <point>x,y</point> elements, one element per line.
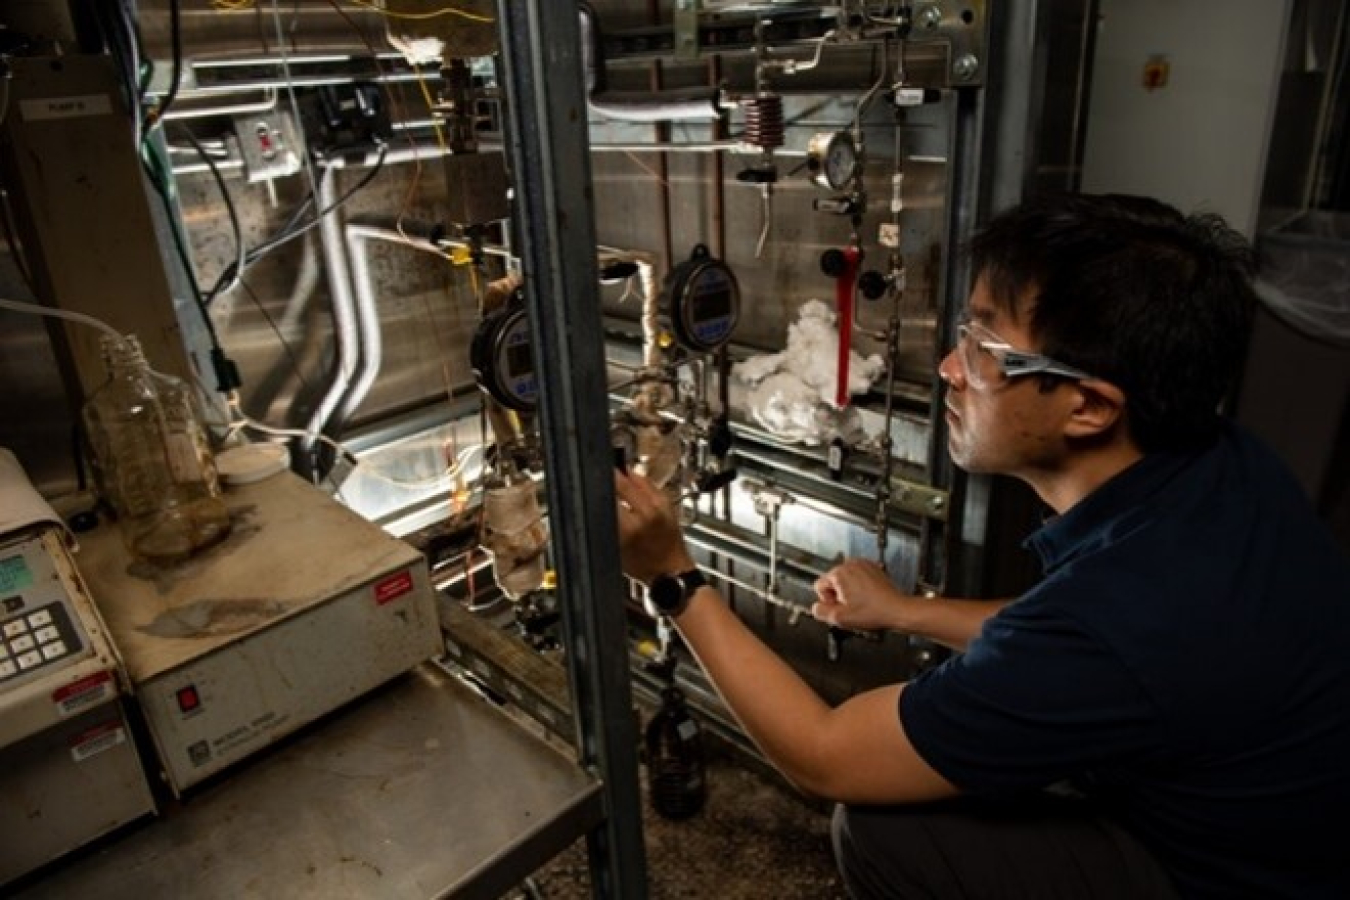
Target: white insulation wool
<point>792,393</point>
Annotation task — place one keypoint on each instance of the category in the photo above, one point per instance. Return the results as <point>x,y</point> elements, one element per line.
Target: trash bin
<point>1296,383</point>
<point>1304,275</point>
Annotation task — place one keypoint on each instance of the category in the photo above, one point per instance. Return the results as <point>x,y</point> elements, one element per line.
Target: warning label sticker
<point>81,695</point>
<point>94,741</point>
<point>394,586</point>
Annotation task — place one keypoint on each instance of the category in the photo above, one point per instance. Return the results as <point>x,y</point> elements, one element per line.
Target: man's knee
<point>865,839</point>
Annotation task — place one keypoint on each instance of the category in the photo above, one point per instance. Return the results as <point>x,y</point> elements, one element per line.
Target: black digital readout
<point>518,360</point>
<point>714,304</point>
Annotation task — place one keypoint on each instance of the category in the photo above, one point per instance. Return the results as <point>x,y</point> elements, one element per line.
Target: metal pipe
<point>682,104</point>
<point>345,325</point>
<point>177,111</point>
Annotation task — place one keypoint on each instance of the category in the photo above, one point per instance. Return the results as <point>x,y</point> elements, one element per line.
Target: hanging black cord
<point>291,231</point>
<point>241,252</point>
<point>175,79</point>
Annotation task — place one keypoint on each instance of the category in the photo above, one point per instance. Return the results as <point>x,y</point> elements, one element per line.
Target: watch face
<point>666,592</point>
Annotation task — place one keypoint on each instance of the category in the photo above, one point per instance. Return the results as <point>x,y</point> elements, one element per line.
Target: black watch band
<point>670,594</point>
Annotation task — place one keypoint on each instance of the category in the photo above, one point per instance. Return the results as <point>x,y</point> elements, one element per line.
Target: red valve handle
<point>844,285</point>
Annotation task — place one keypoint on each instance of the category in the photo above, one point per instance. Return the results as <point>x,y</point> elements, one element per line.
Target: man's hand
<point>859,594</point>
<point>650,540</point>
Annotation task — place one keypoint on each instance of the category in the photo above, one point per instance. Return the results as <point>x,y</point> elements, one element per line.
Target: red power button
<point>188,700</point>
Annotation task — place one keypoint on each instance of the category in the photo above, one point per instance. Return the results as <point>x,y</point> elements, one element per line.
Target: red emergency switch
<point>188,700</point>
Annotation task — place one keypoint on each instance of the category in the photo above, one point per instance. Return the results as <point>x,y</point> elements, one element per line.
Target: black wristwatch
<point>669,594</point>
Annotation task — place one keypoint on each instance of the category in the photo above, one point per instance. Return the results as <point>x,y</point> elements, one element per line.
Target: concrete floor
<point>755,838</point>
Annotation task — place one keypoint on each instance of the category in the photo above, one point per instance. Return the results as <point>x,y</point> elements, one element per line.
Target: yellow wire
<point>434,14</point>
<point>431,108</point>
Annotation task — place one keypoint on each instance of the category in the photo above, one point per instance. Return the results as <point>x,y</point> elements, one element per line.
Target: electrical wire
<point>433,14</point>
<point>290,94</point>
<point>241,421</point>
<point>67,314</point>
<point>293,229</point>
<point>4,93</point>
<point>397,108</point>
<point>276,330</point>
<point>241,250</point>
<point>176,78</point>
<point>12,243</point>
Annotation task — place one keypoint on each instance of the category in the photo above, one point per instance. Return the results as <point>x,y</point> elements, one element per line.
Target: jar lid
<point>252,462</point>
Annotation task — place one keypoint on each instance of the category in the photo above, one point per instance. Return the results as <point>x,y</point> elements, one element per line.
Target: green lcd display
<point>14,574</point>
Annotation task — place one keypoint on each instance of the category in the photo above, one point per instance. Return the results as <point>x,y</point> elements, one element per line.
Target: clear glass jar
<point>153,464</point>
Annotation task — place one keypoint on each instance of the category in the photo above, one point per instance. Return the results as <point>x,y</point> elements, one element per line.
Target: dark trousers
<point>1042,849</point>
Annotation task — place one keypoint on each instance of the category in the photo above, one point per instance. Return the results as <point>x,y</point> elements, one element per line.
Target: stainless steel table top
<point>420,789</point>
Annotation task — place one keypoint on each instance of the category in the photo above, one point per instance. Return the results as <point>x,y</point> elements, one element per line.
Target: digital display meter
<point>15,575</point>
<point>703,301</point>
<point>502,357</point>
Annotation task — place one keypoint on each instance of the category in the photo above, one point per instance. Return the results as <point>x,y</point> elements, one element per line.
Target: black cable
<point>291,232</point>
<point>241,251</point>
<point>12,243</point>
<point>227,373</point>
<point>175,79</point>
<point>281,338</point>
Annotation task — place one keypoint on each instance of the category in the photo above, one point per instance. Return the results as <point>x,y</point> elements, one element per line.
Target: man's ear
<point>1098,408</point>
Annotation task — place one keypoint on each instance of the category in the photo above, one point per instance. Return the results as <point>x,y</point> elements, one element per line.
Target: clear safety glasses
<point>989,360</point>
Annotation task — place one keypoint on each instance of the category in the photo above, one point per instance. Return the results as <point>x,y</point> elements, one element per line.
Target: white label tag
<point>65,107</point>
<point>96,740</point>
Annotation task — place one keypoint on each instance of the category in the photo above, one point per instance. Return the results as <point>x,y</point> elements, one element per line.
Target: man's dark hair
<point>1129,289</point>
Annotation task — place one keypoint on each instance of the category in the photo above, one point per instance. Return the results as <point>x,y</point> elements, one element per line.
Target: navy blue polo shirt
<point>1186,661</point>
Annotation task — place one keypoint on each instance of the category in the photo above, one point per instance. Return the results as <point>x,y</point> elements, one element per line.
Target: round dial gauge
<point>502,359</point>
<point>703,301</point>
<point>832,158</point>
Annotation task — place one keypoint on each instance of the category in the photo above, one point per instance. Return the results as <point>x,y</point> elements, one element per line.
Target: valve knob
<point>833,263</point>
<point>872,284</point>
<point>720,437</point>
<point>758,175</point>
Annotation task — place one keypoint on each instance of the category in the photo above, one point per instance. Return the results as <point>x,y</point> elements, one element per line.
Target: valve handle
<point>872,284</point>
<point>842,265</point>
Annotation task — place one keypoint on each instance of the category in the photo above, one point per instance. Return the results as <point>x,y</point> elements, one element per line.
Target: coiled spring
<point>763,121</point>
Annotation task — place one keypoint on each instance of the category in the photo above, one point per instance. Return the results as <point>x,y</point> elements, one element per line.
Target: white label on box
<point>65,107</point>
<point>97,739</point>
<point>88,691</point>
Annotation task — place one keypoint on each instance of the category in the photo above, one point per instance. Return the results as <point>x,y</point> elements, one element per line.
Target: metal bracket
<point>919,499</point>
<point>686,29</point>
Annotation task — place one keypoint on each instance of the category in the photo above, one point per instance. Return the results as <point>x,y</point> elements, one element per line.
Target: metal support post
<point>547,118</point>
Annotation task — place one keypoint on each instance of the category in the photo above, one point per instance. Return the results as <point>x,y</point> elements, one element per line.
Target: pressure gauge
<point>703,301</point>
<point>832,158</point>
<point>502,360</point>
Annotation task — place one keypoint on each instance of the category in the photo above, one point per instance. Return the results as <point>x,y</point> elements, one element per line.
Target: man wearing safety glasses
<point>1167,713</point>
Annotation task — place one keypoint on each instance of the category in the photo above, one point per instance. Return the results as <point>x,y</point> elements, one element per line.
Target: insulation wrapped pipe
<point>682,104</point>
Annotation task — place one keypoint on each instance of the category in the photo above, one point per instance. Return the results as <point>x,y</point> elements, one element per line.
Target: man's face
<point>1005,425</point>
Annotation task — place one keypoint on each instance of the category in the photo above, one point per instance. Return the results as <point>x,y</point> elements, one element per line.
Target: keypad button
<point>52,651</point>
<point>7,669</point>
<point>22,643</point>
<point>16,628</point>
<point>30,660</point>
<point>50,633</point>
<point>39,618</point>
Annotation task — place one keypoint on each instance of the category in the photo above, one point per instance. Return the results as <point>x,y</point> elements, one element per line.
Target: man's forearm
<point>951,623</point>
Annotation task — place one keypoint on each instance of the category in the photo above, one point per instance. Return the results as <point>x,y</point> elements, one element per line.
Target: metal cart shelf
<point>420,789</point>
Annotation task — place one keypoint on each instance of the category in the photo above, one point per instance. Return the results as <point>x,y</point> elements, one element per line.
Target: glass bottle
<point>675,770</point>
<point>153,463</point>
